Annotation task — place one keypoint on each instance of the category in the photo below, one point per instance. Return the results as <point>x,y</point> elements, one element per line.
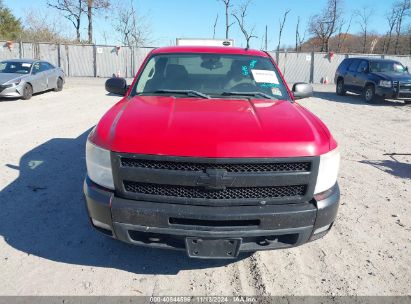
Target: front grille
<point>214,181</point>
<point>228,193</point>
<point>405,86</point>
<point>402,86</point>
<point>192,166</point>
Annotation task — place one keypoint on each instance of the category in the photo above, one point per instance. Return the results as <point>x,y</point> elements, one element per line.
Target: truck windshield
<point>214,75</point>
<point>387,66</point>
<point>15,67</point>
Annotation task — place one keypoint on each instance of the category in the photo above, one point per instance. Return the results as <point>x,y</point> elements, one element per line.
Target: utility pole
<point>266,39</point>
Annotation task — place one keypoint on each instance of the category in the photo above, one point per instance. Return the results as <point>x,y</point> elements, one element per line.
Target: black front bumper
<point>165,225</point>
<point>394,93</point>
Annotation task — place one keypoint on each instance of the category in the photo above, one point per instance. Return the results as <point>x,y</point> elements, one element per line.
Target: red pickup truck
<point>208,152</point>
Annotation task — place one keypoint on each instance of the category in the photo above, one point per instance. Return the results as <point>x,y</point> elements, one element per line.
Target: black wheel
<point>340,89</point>
<point>59,85</point>
<point>27,92</point>
<point>369,94</point>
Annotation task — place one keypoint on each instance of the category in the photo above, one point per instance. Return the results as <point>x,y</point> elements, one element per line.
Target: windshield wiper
<point>187,92</point>
<point>261,94</point>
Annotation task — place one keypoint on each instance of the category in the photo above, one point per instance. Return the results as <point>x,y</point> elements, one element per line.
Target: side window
<point>36,68</point>
<point>354,66</point>
<point>363,67</point>
<point>148,73</point>
<point>44,66</point>
<point>344,65</point>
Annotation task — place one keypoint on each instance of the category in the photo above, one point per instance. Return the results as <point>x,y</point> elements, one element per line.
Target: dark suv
<point>373,78</point>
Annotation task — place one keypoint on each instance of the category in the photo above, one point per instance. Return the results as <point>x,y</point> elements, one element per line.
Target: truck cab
<point>209,153</point>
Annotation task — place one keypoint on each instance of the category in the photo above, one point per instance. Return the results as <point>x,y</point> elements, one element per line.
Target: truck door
<point>362,75</point>
<point>350,77</point>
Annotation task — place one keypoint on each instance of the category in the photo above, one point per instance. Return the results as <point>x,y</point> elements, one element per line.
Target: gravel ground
<point>47,246</point>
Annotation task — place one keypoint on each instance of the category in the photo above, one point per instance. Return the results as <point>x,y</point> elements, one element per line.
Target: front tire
<point>340,89</point>
<point>59,85</point>
<point>369,94</point>
<point>27,92</point>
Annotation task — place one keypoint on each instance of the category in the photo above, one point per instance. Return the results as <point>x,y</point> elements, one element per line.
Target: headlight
<point>328,171</point>
<point>13,83</point>
<point>385,83</point>
<point>98,163</point>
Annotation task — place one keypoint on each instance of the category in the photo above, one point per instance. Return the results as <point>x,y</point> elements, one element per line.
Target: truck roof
<point>209,49</point>
<point>376,59</point>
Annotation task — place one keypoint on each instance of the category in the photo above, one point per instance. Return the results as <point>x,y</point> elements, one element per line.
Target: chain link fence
<point>105,60</point>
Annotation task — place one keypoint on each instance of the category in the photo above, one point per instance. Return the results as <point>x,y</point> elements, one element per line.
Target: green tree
<point>10,26</point>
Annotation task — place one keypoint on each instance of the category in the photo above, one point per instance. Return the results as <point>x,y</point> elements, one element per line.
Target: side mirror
<point>116,85</point>
<point>406,69</point>
<point>302,90</point>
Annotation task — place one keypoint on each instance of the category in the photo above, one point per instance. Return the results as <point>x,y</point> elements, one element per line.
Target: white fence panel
<point>27,50</point>
<point>9,53</point>
<point>296,67</point>
<point>364,55</point>
<point>49,52</point>
<point>81,60</point>
<point>111,60</point>
<point>325,66</point>
<point>64,59</point>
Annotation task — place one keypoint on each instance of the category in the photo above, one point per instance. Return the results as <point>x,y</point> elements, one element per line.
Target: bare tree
<point>39,27</point>
<point>240,15</point>
<point>326,24</point>
<point>280,32</point>
<point>299,40</point>
<point>93,5</point>
<point>227,6</point>
<point>392,20</point>
<point>133,29</point>
<point>72,10</point>
<point>409,38</point>
<point>364,16</point>
<point>403,8</point>
<point>215,26</point>
<point>342,36</point>
<point>297,34</point>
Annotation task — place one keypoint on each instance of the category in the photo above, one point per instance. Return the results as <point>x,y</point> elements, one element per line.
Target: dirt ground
<point>47,246</point>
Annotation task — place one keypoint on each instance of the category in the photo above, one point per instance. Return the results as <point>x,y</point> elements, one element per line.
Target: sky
<point>171,19</point>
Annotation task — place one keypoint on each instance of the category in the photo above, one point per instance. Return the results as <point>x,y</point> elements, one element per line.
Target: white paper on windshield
<point>265,76</point>
<point>26,65</point>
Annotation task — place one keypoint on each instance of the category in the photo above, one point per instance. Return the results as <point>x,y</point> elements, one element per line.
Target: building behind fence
<point>104,60</point>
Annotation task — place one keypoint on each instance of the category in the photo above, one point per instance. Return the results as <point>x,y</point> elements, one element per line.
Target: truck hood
<point>211,128</point>
<point>394,76</point>
<point>6,77</point>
